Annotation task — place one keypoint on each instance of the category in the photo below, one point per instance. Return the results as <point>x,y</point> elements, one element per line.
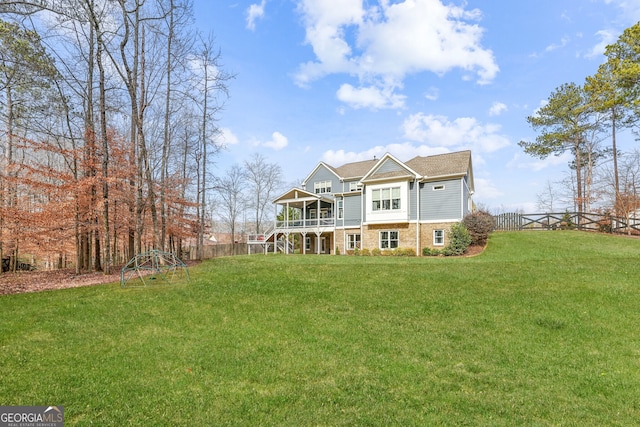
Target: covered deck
<point>305,219</point>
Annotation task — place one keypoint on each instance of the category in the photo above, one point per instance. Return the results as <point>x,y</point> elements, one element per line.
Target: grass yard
<point>541,329</point>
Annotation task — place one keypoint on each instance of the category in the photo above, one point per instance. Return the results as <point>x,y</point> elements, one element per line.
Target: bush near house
<point>479,224</point>
<point>459,241</point>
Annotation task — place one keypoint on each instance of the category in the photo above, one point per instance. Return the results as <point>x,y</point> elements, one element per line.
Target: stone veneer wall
<point>426,234</point>
<point>407,237</point>
<point>407,234</point>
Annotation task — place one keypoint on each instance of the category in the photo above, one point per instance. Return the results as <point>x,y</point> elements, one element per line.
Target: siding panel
<point>324,174</point>
<point>413,201</point>
<point>352,211</point>
<point>441,204</point>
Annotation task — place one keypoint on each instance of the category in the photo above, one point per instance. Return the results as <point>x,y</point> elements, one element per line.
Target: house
<point>380,203</point>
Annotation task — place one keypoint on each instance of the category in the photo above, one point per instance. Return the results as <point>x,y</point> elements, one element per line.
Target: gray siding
<point>346,184</point>
<point>465,197</point>
<point>441,204</point>
<point>413,201</point>
<point>352,211</point>
<point>324,174</point>
<point>389,166</point>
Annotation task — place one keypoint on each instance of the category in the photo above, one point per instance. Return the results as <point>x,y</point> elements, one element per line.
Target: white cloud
<point>278,141</point>
<point>607,37</point>
<point>227,137</point>
<point>497,108</point>
<point>462,132</point>
<point>404,152</point>
<point>526,162</point>
<point>392,39</point>
<point>369,97</point>
<point>630,9</point>
<point>486,189</point>
<point>255,12</point>
<point>432,94</point>
<point>554,46</point>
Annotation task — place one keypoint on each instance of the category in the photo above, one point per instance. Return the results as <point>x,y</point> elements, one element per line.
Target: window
<point>307,244</point>
<point>438,187</point>
<point>438,237</point>
<point>322,187</point>
<point>340,209</point>
<point>353,186</point>
<point>353,241</point>
<point>385,199</point>
<point>388,239</point>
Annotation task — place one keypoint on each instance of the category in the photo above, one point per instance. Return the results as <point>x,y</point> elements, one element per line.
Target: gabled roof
<point>449,164</point>
<point>422,167</point>
<point>401,170</point>
<point>355,170</point>
<point>444,165</point>
<point>318,166</point>
<point>296,194</point>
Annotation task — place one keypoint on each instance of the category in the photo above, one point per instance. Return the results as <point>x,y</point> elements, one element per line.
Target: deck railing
<point>305,223</point>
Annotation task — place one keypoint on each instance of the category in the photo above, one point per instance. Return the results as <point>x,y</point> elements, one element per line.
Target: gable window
<point>388,239</point>
<point>438,237</point>
<point>385,199</point>
<point>353,241</point>
<point>438,187</point>
<point>322,187</point>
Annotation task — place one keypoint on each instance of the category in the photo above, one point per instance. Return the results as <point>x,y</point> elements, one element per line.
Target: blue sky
<point>346,80</point>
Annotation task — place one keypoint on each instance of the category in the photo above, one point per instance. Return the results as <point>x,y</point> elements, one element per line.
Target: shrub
<point>479,224</point>
<point>567,223</point>
<point>337,250</point>
<point>356,251</point>
<point>431,252</point>
<point>376,252</point>
<point>403,252</point>
<point>459,240</point>
<point>605,224</point>
<point>365,252</point>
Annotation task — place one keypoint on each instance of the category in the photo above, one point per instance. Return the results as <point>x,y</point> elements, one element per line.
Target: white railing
<point>306,223</point>
<point>260,238</point>
<point>282,247</point>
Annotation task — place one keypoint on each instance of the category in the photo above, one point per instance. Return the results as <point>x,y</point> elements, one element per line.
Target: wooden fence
<point>213,251</point>
<point>568,220</point>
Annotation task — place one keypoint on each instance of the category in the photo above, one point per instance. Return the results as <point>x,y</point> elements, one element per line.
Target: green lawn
<point>541,329</point>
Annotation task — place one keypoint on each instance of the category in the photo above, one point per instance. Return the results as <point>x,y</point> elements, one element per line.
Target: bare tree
<point>547,197</point>
<point>213,91</point>
<point>624,201</point>
<point>264,179</point>
<point>230,197</point>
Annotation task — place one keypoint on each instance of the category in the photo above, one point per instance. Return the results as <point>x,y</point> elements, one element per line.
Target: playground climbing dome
<point>153,266</point>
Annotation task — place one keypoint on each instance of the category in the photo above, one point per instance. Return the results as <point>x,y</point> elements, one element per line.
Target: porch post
<point>286,239</point>
<point>286,216</point>
<point>303,243</point>
<point>318,234</point>
<point>304,213</point>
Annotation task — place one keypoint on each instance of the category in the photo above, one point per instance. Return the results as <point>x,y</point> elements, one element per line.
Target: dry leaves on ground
<point>34,281</point>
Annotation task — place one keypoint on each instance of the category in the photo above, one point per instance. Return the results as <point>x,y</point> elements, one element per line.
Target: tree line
<point>108,129</point>
<point>585,120</point>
